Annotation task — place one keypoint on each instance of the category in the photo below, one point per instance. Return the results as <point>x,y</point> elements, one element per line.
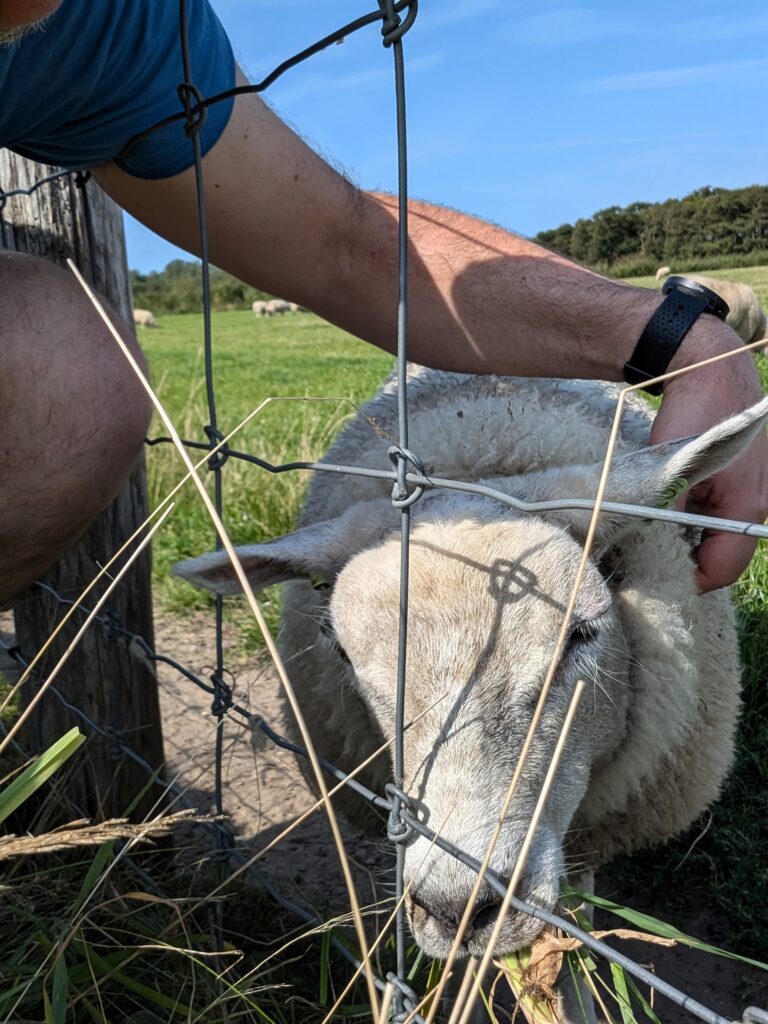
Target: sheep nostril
<point>450,917</point>
<point>485,914</point>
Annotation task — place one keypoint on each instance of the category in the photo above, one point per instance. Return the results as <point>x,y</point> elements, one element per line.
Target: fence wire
<point>409,482</point>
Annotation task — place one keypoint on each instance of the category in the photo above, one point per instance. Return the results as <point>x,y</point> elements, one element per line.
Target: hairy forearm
<point>482,299</point>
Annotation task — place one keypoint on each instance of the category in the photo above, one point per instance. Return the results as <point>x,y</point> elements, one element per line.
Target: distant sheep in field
<point>273,307</point>
<point>745,315</point>
<point>277,306</point>
<point>662,272</point>
<point>653,737</point>
<point>143,318</point>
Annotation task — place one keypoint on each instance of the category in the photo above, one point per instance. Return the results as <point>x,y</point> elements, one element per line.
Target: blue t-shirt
<point>99,72</point>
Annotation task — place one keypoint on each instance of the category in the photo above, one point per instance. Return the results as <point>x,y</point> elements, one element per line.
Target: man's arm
<point>480,298</point>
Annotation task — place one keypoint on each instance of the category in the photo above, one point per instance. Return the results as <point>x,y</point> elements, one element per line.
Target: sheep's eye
<point>582,632</point>
<point>326,628</point>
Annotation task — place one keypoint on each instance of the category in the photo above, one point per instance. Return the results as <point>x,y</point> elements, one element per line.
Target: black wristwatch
<point>685,301</point>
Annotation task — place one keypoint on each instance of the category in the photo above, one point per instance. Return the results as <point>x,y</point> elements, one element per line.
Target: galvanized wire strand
<point>400,497</point>
<point>241,90</point>
<point>194,122</point>
<point>54,176</point>
<point>642,512</point>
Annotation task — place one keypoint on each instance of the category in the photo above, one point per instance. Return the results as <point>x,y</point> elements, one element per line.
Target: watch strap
<point>683,304</point>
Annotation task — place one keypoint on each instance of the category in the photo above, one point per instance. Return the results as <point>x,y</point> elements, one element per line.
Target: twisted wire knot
<point>393,27</point>
<point>195,113</point>
<point>399,831</point>
<point>410,998</point>
<point>400,457</point>
<point>215,436</point>
<point>222,696</point>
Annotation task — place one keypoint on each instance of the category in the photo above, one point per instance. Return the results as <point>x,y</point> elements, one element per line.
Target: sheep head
<point>488,593</point>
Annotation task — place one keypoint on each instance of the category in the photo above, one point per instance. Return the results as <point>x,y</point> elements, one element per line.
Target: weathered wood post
<point>106,677</point>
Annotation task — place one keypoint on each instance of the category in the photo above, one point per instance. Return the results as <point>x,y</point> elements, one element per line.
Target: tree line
<point>178,289</point>
<point>710,228</point>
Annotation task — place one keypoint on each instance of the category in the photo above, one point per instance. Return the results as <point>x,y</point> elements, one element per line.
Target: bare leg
<point>74,417</point>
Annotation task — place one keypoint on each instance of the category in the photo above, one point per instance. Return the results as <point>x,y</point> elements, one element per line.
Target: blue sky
<point>528,114</point>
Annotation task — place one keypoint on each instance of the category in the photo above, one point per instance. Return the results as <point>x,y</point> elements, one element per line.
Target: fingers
<point>693,403</point>
<point>722,558</point>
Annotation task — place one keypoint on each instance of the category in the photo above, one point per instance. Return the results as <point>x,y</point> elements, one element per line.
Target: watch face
<point>713,303</point>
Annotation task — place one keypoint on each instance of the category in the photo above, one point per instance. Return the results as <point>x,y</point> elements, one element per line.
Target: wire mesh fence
<point>409,483</point>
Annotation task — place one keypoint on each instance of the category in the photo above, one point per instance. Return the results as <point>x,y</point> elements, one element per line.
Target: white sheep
<point>259,308</point>
<point>745,315</point>
<point>653,738</point>
<point>143,318</point>
<point>662,272</point>
<point>277,306</point>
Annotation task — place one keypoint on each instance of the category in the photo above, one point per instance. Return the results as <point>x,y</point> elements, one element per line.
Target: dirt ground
<point>264,792</point>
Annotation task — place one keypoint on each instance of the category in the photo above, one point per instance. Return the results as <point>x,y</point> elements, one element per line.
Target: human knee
<point>62,366</point>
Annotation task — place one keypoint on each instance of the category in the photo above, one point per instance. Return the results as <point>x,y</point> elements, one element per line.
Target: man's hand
<point>692,403</point>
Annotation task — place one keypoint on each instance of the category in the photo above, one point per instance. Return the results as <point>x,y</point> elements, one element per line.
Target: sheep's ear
<point>653,476</point>
<point>319,551</point>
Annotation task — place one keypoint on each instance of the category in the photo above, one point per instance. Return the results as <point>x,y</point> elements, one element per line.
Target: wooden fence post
<point>107,678</point>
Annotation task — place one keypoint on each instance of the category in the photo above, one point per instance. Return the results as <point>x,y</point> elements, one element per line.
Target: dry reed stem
<point>466,983</point>
<point>420,1005</point>
<point>524,849</point>
<point>257,613</point>
<point>388,922</point>
<point>81,833</point>
<point>386,1003</point>
<point>589,981</point>
<point>88,620</point>
<point>538,710</point>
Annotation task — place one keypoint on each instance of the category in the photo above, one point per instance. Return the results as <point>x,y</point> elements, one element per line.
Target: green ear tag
<point>670,494</point>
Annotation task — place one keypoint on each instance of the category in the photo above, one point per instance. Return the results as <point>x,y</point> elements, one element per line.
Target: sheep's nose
<point>449,915</point>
